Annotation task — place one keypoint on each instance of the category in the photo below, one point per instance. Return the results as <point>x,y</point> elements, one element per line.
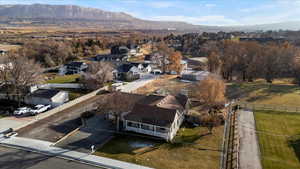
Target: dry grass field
<point>168,83</point>
<point>281,92</point>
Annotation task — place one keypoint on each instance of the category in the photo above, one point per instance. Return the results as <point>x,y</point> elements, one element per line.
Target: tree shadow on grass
<point>122,144</point>
<point>294,142</point>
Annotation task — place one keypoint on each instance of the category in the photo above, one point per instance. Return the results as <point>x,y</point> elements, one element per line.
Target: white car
<point>22,111</point>
<point>40,109</point>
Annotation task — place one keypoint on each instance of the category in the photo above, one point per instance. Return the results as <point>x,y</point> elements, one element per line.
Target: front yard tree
<point>19,73</point>
<point>297,70</point>
<point>175,62</point>
<point>168,59</point>
<point>97,75</point>
<point>211,92</point>
<point>164,52</point>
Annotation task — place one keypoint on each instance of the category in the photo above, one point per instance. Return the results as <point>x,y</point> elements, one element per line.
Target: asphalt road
<point>19,159</point>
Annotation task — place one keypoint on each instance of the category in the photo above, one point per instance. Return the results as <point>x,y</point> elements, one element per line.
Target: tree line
<point>250,60</point>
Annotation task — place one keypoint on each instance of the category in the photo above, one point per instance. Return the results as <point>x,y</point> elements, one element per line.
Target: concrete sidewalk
<point>249,148</point>
<point>45,147</point>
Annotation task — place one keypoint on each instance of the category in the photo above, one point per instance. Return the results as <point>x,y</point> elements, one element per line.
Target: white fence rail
<point>282,108</point>
<point>58,86</point>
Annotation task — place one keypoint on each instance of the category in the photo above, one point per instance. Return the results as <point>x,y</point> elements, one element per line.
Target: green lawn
<point>279,151</point>
<point>193,150</point>
<point>64,79</point>
<point>280,93</point>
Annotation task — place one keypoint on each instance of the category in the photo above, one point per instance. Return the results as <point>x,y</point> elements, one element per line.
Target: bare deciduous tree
<point>168,59</point>
<point>211,92</point>
<point>97,75</point>
<point>175,62</point>
<point>19,73</point>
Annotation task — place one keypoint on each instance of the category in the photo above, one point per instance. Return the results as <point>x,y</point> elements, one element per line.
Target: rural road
<point>249,146</point>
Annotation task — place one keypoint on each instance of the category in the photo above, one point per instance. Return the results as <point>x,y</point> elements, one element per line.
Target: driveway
<point>96,132</point>
<point>58,125</point>
<point>13,122</point>
<point>249,146</point>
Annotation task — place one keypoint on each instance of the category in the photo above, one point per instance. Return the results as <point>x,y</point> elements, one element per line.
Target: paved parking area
<point>96,132</point>
<point>12,122</point>
<point>58,125</point>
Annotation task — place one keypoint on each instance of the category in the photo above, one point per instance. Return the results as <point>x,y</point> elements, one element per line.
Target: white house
<point>194,75</point>
<point>73,68</point>
<point>159,116</point>
<point>47,97</point>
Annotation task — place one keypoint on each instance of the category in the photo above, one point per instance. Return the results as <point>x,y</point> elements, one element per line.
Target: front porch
<point>157,131</point>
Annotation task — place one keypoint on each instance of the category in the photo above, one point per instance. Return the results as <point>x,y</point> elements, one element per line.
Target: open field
<point>278,93</point>
<point>279,139</point>
<point>64,79</point>
<point>166,83</point>
<point>194,149</point>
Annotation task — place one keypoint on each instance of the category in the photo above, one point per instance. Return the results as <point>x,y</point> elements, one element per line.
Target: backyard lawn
<point>64,79</point>
<point>279,93</point>
<point>279,139</point>
<point>194,149</point>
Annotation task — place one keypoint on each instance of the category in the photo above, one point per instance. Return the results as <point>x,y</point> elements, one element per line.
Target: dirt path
<point>249,146</point>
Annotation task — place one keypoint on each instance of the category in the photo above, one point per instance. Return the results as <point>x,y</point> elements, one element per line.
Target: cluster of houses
<point>128,71</point>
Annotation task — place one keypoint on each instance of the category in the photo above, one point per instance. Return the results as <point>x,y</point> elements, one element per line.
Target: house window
<point>147,127</point>
<point>132,124</point>
<point>161,130</point>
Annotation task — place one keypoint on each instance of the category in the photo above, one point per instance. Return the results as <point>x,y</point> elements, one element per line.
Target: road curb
<point>84,158</point>
<point>53,155</point>
<point>66,136</point>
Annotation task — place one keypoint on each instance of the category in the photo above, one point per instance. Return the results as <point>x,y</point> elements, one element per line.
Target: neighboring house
<point>159,116</point>
<point>144,67</point>
<point>127,71</point>
<point>73,68</point>
<point>47,97</point>
<point>6,66</point>
<point>111,58</point>
<point>3,52</point>
<point>119,50</point>
<point>194,75</point>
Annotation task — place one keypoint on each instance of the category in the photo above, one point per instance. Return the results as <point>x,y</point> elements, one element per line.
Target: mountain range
<point>76,16</point>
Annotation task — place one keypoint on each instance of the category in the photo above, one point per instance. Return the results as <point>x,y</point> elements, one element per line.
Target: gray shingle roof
<point>45,93</point>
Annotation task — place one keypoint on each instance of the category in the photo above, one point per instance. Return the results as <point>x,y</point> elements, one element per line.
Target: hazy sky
<point>204,12</point>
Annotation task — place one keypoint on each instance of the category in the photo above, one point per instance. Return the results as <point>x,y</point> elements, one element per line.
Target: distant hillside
<point>76,16</point>
<point>64,15</point>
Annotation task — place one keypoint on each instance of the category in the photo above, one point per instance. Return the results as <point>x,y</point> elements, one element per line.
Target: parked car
<point>22,111</point>
<point>40,109</point>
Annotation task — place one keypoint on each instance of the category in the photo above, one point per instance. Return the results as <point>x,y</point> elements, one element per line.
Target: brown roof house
<point>159,116</point>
